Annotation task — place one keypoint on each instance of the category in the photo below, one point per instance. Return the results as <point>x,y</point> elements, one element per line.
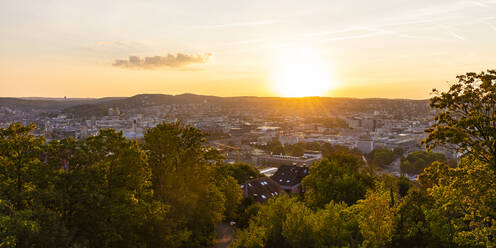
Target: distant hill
<point>99,107</point>
<point>87,107</point>
<point>34,104</point>
<point>50,104</point>
<point>144,100</point>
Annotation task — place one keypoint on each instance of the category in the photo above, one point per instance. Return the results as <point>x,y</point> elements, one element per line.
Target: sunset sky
<point>392,49</point>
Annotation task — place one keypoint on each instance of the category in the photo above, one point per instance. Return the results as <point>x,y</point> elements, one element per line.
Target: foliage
<point>107,191</point>
<point>375,216</point>
<point>274,147</point>
<point>330,122</point>
<point>297,149</point>
<point>287,222</point>
<point>198,192</point>
<point>466,118</point>
<point>19,155</point>
<point>339,177</point>
<point>382,157</point>
<point>415,162</point>
<point>240,171</point>
<point>398,151</point>
<point>17,228</point>
<point>464,207</point>
<point>410,225</point>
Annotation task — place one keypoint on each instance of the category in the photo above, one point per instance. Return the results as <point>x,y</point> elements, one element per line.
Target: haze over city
<point>386,49</point>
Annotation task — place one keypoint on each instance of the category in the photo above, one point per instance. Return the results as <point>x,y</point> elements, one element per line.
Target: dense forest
<point>172,189</point>
<point>107,191</point>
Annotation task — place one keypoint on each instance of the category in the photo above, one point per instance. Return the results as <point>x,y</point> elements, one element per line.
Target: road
<point>225,235</point>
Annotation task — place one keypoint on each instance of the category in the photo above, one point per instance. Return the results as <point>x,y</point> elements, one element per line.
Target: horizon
<point>247,124</point>
<point>282,48</point>
<point>188,93</point>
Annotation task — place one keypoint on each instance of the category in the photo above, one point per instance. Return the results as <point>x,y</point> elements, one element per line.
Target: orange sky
<point>393,49</point>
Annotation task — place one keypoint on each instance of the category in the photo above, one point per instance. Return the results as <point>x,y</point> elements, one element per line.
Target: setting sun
<point>300,73</point>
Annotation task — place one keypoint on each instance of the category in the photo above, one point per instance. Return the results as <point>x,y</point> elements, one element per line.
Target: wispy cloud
<point>242,24</point>
<point>112,47</point>
<point>353,37</point>
<point>387,31</point>
<point>108,44</point>
<point>491,26</point>
<point>177,61</point>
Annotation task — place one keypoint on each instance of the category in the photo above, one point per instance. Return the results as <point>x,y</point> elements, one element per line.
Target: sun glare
<point>300,73</point>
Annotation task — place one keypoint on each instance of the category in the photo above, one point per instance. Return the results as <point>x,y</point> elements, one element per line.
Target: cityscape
<point>248,124</point>
<point>242,128</point>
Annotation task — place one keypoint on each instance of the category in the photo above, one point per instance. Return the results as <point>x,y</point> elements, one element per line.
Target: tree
<point>375,217</point>
<point>297,149</point>
<point>464,203</point>
<point>288,222</point>
<point>404,185</point>
<point>466,118</point>
<point>185,178</point>
<point>410,225</point>
<point>17,228</point>
<point>415,162</point>
<point>336,226</point>
<point>298,226</point>
<point>382,157</point>
<point>240,171</point>
<point>230,189</point>
<point>19,169</point>
<point>109,178</point>
<point>266,229</point>
<point>275,147</point>
<point>340,177</point>
<point>19,153</point>
<point>398,151</point>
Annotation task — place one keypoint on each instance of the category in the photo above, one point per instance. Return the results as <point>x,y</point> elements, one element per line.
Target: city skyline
<point>98,49</point>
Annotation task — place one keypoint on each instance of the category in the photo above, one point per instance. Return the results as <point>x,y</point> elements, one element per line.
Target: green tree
<point>230,189</point>
<point>336,226</point>
<point>415,162</point>
<point>375,216</point>
<point>287,222</point>
<point>18,228</point>
<point>339,177</point>
<point>240,171</point>
<point>275,147</point>
<point>466,119</point>
<point>265,230</point>
<point>298,226</point>
<point>19,169</point>
<point>410,224</point>
<point>297,149</point>
<point>464,206</point>
<point>381,157</point>
<point>111,180</point>
<point>185,178</point>
<point>398,151</point>
<point>19,153</point>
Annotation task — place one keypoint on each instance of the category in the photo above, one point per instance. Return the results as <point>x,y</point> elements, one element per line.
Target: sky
<point>354,48</point>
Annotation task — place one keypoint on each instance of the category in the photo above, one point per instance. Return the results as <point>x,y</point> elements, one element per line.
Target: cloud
<point>108,44</point>
<point>179,60</point>
<point>244,24</point>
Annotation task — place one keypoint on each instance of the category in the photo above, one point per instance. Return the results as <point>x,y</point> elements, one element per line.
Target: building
<point>313,154</point>
<point>278,160</point>
<point>365,144</point>
<point>291,139</point>
<point>289,178</point>
<point>261,189</point>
